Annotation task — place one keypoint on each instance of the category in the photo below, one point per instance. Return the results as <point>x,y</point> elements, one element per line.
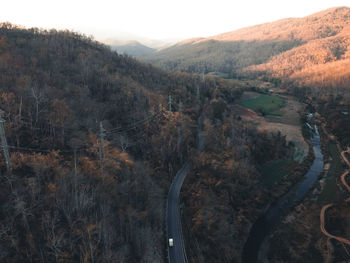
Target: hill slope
<point>133,48</point>
<point>288,47</point>
<point>319,25</point>
<point>66,201</point>
<point>94,150</point>
<point>319,62</point>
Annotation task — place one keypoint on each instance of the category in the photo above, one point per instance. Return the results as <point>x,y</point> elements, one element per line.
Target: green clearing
<point>274,171</point>
<point>330,192</point>
<point>265,104</point>
<point>219,74</point>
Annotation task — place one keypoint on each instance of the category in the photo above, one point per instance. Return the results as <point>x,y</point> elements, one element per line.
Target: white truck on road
<point>171,242</point>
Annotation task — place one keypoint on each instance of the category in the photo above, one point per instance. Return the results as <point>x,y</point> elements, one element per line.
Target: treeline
<point>218,56</point>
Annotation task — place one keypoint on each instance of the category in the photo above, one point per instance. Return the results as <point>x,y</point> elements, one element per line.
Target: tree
<point>60,116</point>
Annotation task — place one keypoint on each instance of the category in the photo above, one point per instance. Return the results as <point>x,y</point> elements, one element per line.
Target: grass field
<point>265,104</point>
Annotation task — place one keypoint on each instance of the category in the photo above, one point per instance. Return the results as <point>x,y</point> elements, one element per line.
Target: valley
<point>302,225</point>
<point>228,148</point>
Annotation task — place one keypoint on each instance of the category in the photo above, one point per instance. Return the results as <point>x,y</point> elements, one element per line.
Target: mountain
<point>319,25</point>
<point>322,61</point>
<point>66,100</point>
<point>133,48</point>
<point>124,38</point>
<point>297,48</point>
<point>94,148</point>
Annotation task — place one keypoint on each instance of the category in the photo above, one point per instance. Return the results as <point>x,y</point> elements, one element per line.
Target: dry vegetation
<point>288,124</point>
<point>298,237</point>
<point>56,87</point>
<point>71,197</point>
<point>321,62</point>
<point>309,51</point>
<point>322,24</point>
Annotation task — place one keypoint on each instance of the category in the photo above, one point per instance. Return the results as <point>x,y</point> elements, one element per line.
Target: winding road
<point>325,207</point>
<point>177,253</point>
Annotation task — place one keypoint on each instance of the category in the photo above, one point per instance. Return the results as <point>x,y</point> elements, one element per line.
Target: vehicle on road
<point>171,242</point>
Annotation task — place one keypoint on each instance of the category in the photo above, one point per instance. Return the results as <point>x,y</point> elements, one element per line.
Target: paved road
<point>177,252</point>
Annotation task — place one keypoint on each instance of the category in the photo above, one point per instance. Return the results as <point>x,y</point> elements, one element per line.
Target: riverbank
<point>287,121</point>
<point>223,196</point>
<point>265,224</point>
<point>298,238</point>
<point>288,124</point>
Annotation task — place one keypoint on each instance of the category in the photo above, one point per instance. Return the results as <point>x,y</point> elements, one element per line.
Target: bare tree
<point>123,142</point>
<point>75,144</point>
<point>38,96</point>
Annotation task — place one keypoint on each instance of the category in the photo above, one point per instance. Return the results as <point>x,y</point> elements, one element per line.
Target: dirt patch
<point>290,112</point>
<point>288,124</point>
<point>244,113</point>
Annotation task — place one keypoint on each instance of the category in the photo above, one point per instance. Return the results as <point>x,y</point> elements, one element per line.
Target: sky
<point>168,20</point>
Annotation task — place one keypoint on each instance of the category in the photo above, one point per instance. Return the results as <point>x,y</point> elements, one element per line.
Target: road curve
<point>324,231</point>
<point>176,253</point>
<point>347,171</point>
<point>343,180</point>
<point>325,207</point>
<point>344,157</point>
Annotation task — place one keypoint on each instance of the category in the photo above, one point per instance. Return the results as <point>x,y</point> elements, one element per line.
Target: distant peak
<point>190,40</point>
<point>131,43</point>
<point>324,23</point>
<point>333,10</point>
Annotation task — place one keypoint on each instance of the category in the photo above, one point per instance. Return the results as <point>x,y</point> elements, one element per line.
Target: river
<point>263,226</point>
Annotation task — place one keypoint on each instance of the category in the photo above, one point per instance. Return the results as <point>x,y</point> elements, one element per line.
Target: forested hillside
<point>319,63</point>
<point>63,201</point>
<point>220,56</point>
<point>309,51</point>
<point>94,148</point>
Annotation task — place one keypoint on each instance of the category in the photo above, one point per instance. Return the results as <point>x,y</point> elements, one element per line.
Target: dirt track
<point>325,207</point>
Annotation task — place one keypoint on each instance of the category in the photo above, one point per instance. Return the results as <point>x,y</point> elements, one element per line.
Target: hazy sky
<point>156,19</point>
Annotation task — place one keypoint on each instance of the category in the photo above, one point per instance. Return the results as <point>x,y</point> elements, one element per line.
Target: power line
<point>102,134</point>
<point>37,150</point>
<point>102,148</point>
<point>134,125</point>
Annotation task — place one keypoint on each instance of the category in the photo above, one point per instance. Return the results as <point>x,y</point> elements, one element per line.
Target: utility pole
<point>169,106</point>
<point>203,78</point>
<point>4,142</point>
<point>198,87</point>
<point>102,148</point>
<point>179,130</point>
<point>198,93</point>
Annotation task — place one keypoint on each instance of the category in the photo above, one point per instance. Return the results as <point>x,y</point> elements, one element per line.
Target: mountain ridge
<point>316,39</point>
<point>133,48</point>
<point>246,32</point>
